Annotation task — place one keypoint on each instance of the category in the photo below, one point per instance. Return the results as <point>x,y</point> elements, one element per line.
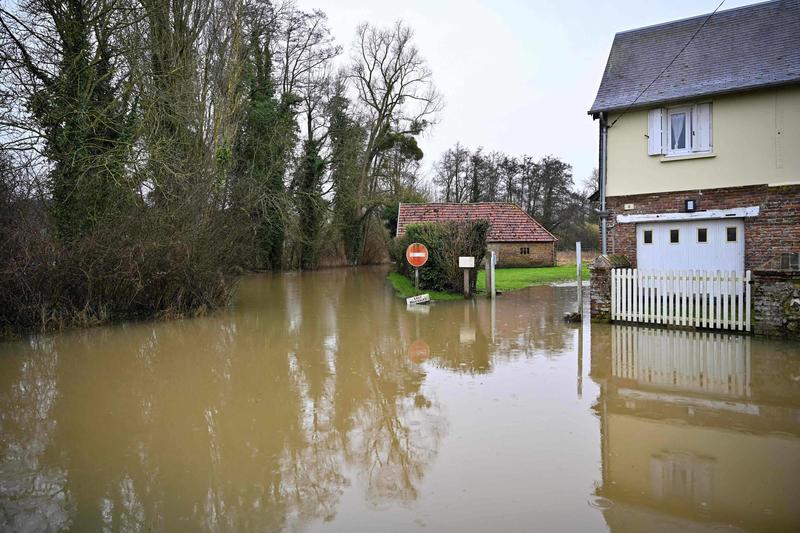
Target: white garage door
<point>691,245</point>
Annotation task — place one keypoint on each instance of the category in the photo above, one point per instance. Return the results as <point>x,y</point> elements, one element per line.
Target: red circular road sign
<point>416,254</point>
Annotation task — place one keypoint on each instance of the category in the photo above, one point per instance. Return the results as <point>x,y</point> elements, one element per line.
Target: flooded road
<point>318,402</point>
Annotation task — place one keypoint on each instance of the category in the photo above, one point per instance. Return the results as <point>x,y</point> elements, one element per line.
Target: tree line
<point>544,188</point>
<point>151,151</point>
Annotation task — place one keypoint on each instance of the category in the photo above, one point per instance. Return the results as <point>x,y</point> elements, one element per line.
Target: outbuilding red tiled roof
<point>509,223</point>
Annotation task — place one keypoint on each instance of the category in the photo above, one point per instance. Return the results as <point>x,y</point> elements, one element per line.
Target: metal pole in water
<point>492,262</point>
<point>416,279</point>
<point>579,268</point>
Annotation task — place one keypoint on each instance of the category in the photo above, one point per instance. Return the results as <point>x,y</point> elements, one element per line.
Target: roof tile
<point>509,223</point>
<point>738,49</point>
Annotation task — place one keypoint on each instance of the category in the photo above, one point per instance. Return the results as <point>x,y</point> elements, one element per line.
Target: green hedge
<point>446,241</point>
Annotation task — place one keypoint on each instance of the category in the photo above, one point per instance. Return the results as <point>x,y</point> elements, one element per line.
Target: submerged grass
<point>404,288</point>
<point>509,279</point>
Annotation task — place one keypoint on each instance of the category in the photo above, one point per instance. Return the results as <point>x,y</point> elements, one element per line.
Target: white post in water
<point>492,263</point>
<point>466,263</point>
<point>579,268</point>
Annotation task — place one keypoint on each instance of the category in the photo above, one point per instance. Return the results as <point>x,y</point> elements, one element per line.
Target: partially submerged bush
<point>148,265</point>
<point>446,242</point>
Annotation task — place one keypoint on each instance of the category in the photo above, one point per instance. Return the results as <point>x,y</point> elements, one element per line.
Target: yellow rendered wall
<point>756,141</point>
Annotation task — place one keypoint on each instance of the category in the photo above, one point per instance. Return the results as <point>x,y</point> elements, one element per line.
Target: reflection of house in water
<point>698,429</point>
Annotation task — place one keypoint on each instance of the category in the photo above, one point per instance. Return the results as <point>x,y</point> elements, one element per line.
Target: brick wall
<point>600,293</point>
<point>600,285</point>
<point>541,254</point>
<point>776,303</point>
<point>775,230</point>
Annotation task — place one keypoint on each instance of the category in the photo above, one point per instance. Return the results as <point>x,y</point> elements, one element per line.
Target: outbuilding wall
<point>509,256</point>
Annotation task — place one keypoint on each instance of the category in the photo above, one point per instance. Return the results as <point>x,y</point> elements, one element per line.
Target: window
<point>648,236</point>
<point>679,122</point>
<point>702,235</point>
<point>674,236</point>
<point>678,131</point>
<point>525,250</point>
<point>730,234</point>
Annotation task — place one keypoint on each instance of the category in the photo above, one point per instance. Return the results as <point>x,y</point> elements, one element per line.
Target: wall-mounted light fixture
<point>690,205</point>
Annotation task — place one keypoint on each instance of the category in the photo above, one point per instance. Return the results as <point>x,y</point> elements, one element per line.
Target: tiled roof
<point>738,49</point>
<point>508,222</point>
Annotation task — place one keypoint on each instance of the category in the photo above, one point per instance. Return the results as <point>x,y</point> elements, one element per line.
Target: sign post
<point>416,255</point>
<point>466,262</point>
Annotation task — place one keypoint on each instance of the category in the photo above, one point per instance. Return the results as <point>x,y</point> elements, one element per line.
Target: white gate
<point>696,298</point>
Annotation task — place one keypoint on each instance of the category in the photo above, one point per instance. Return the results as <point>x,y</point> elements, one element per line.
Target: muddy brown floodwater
<point>319,402</point>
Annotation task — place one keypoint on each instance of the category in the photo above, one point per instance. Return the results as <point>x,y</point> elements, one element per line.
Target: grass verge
<point>509,279</point>
<point>404,288</point>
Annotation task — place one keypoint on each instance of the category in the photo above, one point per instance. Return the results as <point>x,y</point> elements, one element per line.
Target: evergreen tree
<point>263,151</point>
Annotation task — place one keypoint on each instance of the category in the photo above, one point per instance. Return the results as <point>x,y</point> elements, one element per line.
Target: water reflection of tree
<point>252,419</point>
<point>387,427</point>
<point>32,490</point>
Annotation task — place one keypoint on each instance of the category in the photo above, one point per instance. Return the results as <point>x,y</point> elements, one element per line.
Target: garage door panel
<point>690,253</point>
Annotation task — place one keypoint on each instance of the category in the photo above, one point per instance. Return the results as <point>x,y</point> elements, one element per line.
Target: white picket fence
<point>694,298</point>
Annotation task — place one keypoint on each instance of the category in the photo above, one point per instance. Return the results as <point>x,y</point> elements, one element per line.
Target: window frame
<point>670,235</point>
<point>699,131</point>
<point>697,235</point>
<point>736,231</point>
<point>685,110</point>
<point>524,250</point>
<point>644,236</point>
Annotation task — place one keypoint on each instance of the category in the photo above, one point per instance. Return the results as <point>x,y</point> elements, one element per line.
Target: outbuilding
<point>516,238</point>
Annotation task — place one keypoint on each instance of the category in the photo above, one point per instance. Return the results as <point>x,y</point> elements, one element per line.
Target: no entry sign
<point>416,254</point>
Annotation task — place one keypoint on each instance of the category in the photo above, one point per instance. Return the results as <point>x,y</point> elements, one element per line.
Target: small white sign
<point>421,299</point>
<point>466,262</point>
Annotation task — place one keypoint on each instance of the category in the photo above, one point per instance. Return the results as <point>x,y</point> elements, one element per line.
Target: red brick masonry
<point>775,230</point>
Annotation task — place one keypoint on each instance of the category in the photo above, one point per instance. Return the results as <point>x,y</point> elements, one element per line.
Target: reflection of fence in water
<point>685,360</point>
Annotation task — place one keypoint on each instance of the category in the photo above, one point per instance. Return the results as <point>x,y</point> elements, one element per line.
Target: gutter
<point>602,175</point>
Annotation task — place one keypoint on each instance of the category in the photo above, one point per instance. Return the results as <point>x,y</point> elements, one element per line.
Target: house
<point>700,141</point>
<point>516,238</point>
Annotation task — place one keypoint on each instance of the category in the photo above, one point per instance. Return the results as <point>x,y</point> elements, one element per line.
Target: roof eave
<point>655,103</point>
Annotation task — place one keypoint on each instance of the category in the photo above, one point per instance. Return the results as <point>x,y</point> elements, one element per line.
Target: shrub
<point>446,241</point>
<point>143,266</point>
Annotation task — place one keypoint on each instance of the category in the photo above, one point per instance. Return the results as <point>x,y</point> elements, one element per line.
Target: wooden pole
<point>466,283</point>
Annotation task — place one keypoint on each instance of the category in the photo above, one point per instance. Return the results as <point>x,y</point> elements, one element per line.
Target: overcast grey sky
<point>516,76</point>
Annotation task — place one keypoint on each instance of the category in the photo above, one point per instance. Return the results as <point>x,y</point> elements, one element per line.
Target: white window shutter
<point>701,128</point>
<point>655,132</point>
